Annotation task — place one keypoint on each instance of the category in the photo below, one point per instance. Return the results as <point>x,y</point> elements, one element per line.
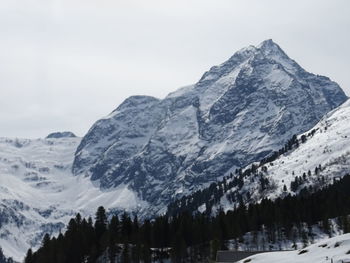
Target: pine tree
<point>100,222</point>
<point>304,238</point>
<point>284,188</point>
<point>29,257</point>
<point>126,227</point>
<point>214,247</point>
<point>46,241</point>
<point>326,226</point>
<point>146,254</point>
<point>113,228</point>
<point>136,253</point>
<point>112,250</point>
<point>93,255</point>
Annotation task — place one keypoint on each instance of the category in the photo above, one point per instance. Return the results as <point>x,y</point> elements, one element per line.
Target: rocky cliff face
<point>238,112</point>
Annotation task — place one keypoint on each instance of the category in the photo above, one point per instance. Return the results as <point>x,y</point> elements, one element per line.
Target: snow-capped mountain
<point>237,113</point>
<point>149,151</point>
<point>39,194</point>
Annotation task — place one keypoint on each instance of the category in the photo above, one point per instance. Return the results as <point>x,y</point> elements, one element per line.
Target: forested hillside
<point>205,200</point>
<point>197,237</point>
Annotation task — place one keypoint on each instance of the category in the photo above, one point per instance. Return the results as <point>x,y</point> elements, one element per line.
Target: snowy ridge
<point>237,113</point>
<point>39,194</point>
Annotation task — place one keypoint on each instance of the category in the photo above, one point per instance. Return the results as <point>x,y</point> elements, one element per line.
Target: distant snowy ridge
<point>39,194</point>
<point>237,113</point>
<point>60,135</point>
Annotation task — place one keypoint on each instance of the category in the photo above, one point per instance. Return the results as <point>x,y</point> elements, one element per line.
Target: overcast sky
<point>66,63</point>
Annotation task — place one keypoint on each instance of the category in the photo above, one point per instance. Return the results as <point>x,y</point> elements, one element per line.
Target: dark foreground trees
<point>193,237</point>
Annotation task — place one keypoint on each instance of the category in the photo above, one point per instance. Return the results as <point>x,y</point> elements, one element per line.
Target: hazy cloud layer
<point>66,63</point>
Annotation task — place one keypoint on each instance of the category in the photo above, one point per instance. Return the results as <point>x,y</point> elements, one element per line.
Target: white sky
<point>66,63</point>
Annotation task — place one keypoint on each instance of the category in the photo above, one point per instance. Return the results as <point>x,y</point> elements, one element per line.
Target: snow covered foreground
<point>39,194</point>
<point>335,250</point>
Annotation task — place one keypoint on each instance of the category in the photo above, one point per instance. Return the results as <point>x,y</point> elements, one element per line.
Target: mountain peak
<point>269,47</point>
<point>266,45</point>
<point>267,42</point>
<point>266,49</point>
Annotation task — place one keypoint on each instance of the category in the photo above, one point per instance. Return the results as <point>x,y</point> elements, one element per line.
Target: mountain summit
<point>237,113</point>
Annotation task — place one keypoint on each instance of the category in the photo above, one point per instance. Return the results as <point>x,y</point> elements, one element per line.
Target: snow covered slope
<point>238,112</point>
<point>39,194</point>
<point>322,158</point>
<point>333,250</point>
<point>328,148</point>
